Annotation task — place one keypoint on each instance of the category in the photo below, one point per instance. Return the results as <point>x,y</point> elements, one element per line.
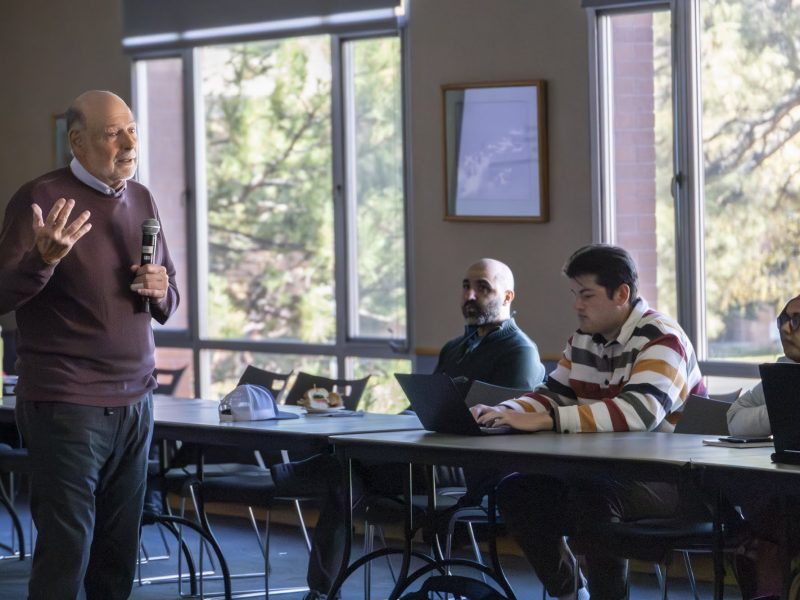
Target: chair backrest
<point>274,382</point>
<point>350,390</point>
<point>706,416</point>
<point>167,380</point>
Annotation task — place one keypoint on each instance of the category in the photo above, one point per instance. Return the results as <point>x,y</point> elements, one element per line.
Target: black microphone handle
<point>148,254</point>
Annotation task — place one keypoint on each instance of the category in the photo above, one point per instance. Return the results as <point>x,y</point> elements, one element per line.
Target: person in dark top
<point>492,349</point>
<point>86,350</point>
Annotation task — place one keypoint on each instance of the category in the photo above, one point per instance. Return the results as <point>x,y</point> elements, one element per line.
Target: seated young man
<point>747,416</point>
<point>626,368</point>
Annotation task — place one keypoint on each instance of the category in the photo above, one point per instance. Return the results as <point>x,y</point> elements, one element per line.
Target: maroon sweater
<point>80,338</point>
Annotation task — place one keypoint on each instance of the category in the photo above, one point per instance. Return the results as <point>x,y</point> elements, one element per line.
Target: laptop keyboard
<point>497,429</point>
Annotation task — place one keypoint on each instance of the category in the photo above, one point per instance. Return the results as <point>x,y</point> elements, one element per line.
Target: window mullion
<point>602,132</point>
<point>342,262</point>
<point>688,177</point>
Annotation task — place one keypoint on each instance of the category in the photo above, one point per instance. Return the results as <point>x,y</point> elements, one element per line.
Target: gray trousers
<point>89,469</point>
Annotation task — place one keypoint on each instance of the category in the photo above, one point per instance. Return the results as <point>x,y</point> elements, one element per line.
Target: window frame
<point>195,337</point>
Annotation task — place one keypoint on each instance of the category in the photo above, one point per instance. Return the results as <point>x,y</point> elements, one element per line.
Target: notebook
<point>440,405</point>
<point>781,383</point>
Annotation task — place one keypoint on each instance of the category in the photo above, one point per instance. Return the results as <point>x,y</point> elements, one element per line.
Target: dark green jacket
<point>505,357</point>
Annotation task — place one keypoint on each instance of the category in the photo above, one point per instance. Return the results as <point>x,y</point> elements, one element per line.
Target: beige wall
<point>53,50</point>
<point>455,41</point>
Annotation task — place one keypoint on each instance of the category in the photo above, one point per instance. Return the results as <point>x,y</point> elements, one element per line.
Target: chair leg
<point>266,557</point>
<point>183,554</point>
<point>665,592</point>
<point>8,503</point>
<point>687,561</point>
<point>303,527</point>
<point>475,548</point>
<point>388,557</point>
<point>254,525</point>
<point>163,541</point>
<point>627,580</point>
<point>369,534</point>
<point>196,508</point>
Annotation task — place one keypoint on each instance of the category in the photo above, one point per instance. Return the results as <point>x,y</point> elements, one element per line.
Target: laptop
<point>440,405</point>
<point>781,383</point>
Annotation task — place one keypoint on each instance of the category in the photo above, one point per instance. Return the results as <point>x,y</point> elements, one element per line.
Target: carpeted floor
<point>288,560</point>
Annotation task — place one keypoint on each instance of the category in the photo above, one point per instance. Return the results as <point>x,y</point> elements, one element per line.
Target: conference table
<point>399,438</point>
<point>652,455</point>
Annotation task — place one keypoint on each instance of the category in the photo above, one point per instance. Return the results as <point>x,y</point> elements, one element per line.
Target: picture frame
<point>495,151</point>
<point>62,155</point>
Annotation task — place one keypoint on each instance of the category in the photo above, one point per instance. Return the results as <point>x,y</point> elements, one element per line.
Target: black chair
<point>274,382</point>
<point>244,482</point>
<point>656,540</point>
<point>350,390</point>
<point>167,380</point>
<point>13,461</point>
<point>176,469</point>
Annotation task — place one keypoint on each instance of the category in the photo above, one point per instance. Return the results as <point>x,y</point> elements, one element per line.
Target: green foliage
<point>751,90</point>
<point>751,118</point>
<point>270,194</point>
<point>383,393</point>
<point>380,234</point>
<point>268,162</point>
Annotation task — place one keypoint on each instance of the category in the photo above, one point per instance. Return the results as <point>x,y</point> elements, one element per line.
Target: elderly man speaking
<point>84,397</point>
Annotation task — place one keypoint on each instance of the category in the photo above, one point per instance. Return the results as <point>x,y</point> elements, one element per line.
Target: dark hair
<point>611,265</point>
<point>75,118</point>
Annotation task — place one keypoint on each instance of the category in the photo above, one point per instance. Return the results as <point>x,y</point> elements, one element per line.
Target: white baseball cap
<point>251,403</point>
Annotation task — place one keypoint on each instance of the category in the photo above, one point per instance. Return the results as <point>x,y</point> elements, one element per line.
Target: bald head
<point>488,289</point>
<point>498,272</point>
<point>103,137</point>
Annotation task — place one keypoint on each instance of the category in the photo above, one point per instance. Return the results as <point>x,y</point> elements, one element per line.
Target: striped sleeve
<point>555,391</point>
<point>660,380</point>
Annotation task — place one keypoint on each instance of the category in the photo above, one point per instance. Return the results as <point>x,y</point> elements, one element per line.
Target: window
<point>374,184</point>
<point>751,147</point>
<point>296,232</point>
<point>269,218</point>
<point>720,77</point>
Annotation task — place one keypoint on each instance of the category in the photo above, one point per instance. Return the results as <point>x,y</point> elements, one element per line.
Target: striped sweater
<point>631,383</point>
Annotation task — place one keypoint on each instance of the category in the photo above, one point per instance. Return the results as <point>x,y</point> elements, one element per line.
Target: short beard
<point>473,315</point>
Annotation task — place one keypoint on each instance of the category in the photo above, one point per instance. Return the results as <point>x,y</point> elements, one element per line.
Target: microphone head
<point>151,227</point>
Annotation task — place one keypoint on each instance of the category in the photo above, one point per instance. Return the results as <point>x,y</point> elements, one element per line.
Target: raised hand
<point>54,238</point>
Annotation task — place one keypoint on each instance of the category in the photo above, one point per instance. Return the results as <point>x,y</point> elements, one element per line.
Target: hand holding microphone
<point>151,279</point>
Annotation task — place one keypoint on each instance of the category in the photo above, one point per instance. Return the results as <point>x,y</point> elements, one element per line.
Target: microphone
<point>150,229</point>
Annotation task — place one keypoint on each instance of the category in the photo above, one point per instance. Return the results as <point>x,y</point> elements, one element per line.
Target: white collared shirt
<point>93,182</point>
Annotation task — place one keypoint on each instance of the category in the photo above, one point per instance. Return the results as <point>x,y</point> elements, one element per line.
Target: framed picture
<point>61,152</point>
<point>495,151</point>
